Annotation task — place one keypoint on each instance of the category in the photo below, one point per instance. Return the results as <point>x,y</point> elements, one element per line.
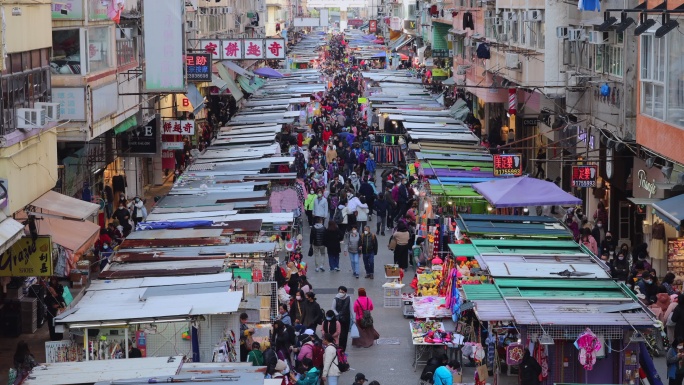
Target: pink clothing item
<point>590,243</point>
<point>361,304</point>
<point>285,201</point>
<point>305,352</point>
<point>588,345</point>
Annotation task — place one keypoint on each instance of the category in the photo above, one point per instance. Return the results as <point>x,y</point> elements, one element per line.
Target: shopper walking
<point>330,373</point>
<point>332,241</point>
<point>341,306</point>
<point>298,308</point>
<point>401,245</point>
<point>309,205</point>
<point>313,315</point>
<point>320,206</point>
<point>381,207</point>
<point>362,213</point>
<point>352,248</point>
<point>332,326</point>
<point>675,363</point>
<point>317,239</point>
<point>363,307</point>
<point>369,248</point>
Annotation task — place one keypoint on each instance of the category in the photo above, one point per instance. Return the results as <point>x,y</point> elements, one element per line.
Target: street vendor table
<point>432,307</point>
<point>423,350</point>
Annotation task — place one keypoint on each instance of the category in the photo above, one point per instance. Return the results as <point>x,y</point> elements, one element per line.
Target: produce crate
<point>392,302</point>
<point>392,292</point>
<point>392,271</point>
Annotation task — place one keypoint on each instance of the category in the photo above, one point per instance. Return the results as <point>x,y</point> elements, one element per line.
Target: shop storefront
<point>653,227</point>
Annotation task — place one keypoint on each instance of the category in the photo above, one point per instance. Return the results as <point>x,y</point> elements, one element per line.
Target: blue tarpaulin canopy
<point>671,210</point>
<point>524,191</point>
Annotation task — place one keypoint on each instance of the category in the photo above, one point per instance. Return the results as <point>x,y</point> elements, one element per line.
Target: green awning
<point>230,83</point>
<point>125,125</point>
<point>464,250</point>
<point>484,292</point>
<point>250,85</point>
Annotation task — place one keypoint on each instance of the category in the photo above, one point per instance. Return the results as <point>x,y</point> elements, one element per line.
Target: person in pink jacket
<point>306,351</point>
<point>368,334</point>
<point>587,240</point>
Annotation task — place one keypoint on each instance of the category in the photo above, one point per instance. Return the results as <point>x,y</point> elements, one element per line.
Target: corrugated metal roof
<point>85,372</point>
<point>466,250</point>
<point>97,285</point>
<point>492,310</point>
<point>175,233</point>
<point>483,292</point>
<point>10,232</point>
<point>577,284</point>
<point>518,267</point>
<point>531,313</point>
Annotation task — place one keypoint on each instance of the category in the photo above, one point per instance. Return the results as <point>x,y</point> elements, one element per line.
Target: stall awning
<point>232,87</point>
<point>231,65</point>
<point>671,211</point>
<point>464,250</point>
<point>219,83</point>
<point>75,236</point>
<point>195,97</point>
<point>125,125</point>
<point>250,85</point>
<point>449,82</point>
<point>57,204</point>
<point>10,232</point>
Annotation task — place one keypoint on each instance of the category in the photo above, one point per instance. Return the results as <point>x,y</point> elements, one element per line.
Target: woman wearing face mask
<point>309,205</point>
<point>332,325</point>
<point>588,241</point>
<point>138,209</point>
<point>620,268</point>
<point>298,308</point>
<point>608,245</point>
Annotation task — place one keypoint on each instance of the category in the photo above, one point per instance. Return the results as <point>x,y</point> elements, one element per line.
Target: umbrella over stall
<point>524,191</point>
<point>268,72</point>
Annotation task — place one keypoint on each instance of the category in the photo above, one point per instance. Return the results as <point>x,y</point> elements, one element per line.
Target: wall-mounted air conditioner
<point>562,32</point>
<point>497,21</point>
<point>600,37</point>
<point>534,15</point>
<point>52,113</point>
<point>30,118</point>
<point>575,34</point>
<point>123,33</point>
<point>512,61</point>
<point>510,16</point>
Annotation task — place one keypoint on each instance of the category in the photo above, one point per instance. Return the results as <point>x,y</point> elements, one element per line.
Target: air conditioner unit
<point>123,34</point>
<point>600,37</point>
<point>497,21</point>
<point>512,61</point>
<point>450,37</point>
<point>490,14</point>
<point>534,15</point>
<point>503,37</point>
<point>229,10</point>
<point>510,16</point>
<point>575,34</point>
<point>190,26</point>
<point>30,118</point>
<point>523,16</point>
<point>52,113</point>
<point>562,32</point>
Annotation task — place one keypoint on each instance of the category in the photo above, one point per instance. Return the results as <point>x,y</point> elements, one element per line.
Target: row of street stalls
<point>146,371</point>
<point>207,251</point>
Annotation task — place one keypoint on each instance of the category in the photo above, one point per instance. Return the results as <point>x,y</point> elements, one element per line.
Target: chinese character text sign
<point>507,165</point>
<point>164,45</point>
<point>584,176</point>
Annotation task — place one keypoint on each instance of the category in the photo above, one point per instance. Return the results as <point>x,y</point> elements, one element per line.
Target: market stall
<point>524,192</point>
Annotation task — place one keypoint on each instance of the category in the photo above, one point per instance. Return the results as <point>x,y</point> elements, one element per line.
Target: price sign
<point>584,176</point>
<point>508,165</point>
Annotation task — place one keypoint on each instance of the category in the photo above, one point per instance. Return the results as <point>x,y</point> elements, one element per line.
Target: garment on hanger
<point>119,183</point>
<point>658,231</point>
<point>387,154</point>
<point>468,21</point>
<point>589,5</point>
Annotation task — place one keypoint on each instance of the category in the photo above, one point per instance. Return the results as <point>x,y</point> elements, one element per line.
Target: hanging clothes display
<point>387,154</point>
<point>468,21</point>
<point>588,344</point>
<point>284,201</point>
<point>589,5</point>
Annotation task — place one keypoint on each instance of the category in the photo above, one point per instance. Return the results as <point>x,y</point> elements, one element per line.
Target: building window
<point>99,49</point>
<point>675,83</point>
<point>24,82</point>
<point>653,68</point>
<point>125,52</point>
<point>609,59</point>
<point>66,51</point>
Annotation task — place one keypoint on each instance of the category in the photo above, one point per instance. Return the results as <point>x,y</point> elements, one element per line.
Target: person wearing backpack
<point>331,371</point>
<point>369,248</point>
<point>363,306</point>
<point>341,306</point>
<point>341,218</point>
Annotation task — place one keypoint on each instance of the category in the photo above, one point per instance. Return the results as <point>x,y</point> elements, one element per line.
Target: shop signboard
<point>372,26</point>
<point>165,69</point>
<point>584,176</point>
<point>409,24</point>
<point>141,140</point>
<point>507,165</point>
<point>28,258</point>
<point>67,10</point>
<point>178,127</point>
<point>71,102</point>
<point>440,53</point>
<point>168,160</point>
<point>530,122</point>
<point>355,22</point>
<point>245,49</point>
<point>198,67</point>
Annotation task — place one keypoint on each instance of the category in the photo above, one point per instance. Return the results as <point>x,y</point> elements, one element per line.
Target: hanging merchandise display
<point>588,344</point>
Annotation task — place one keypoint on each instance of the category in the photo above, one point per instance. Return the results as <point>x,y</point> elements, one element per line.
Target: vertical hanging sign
<point>164,64</point>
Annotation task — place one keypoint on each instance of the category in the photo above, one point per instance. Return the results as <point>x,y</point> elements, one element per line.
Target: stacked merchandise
<point>29,315</point>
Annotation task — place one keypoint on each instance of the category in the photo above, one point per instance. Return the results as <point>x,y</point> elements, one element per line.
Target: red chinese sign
<point>212,47</point>
<point>254,49</point>
<point>178,127</point>
<point>373,26</point>
<point>232,49</point>
<point>584,176</point>
<point>275,48</point>
<point>507,165</point>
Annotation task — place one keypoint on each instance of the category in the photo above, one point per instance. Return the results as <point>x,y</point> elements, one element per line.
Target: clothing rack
<point>387,153</point>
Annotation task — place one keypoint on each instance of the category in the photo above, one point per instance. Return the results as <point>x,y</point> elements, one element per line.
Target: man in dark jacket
<point>391,205</point>
<point>403,199</point>
<point>366,190</point>
<point>317,239</point>
<point>678,318</point>
<point>529,370</point>
<point>312,314</point>
<point>369,247</point>
<point>381,207</point>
